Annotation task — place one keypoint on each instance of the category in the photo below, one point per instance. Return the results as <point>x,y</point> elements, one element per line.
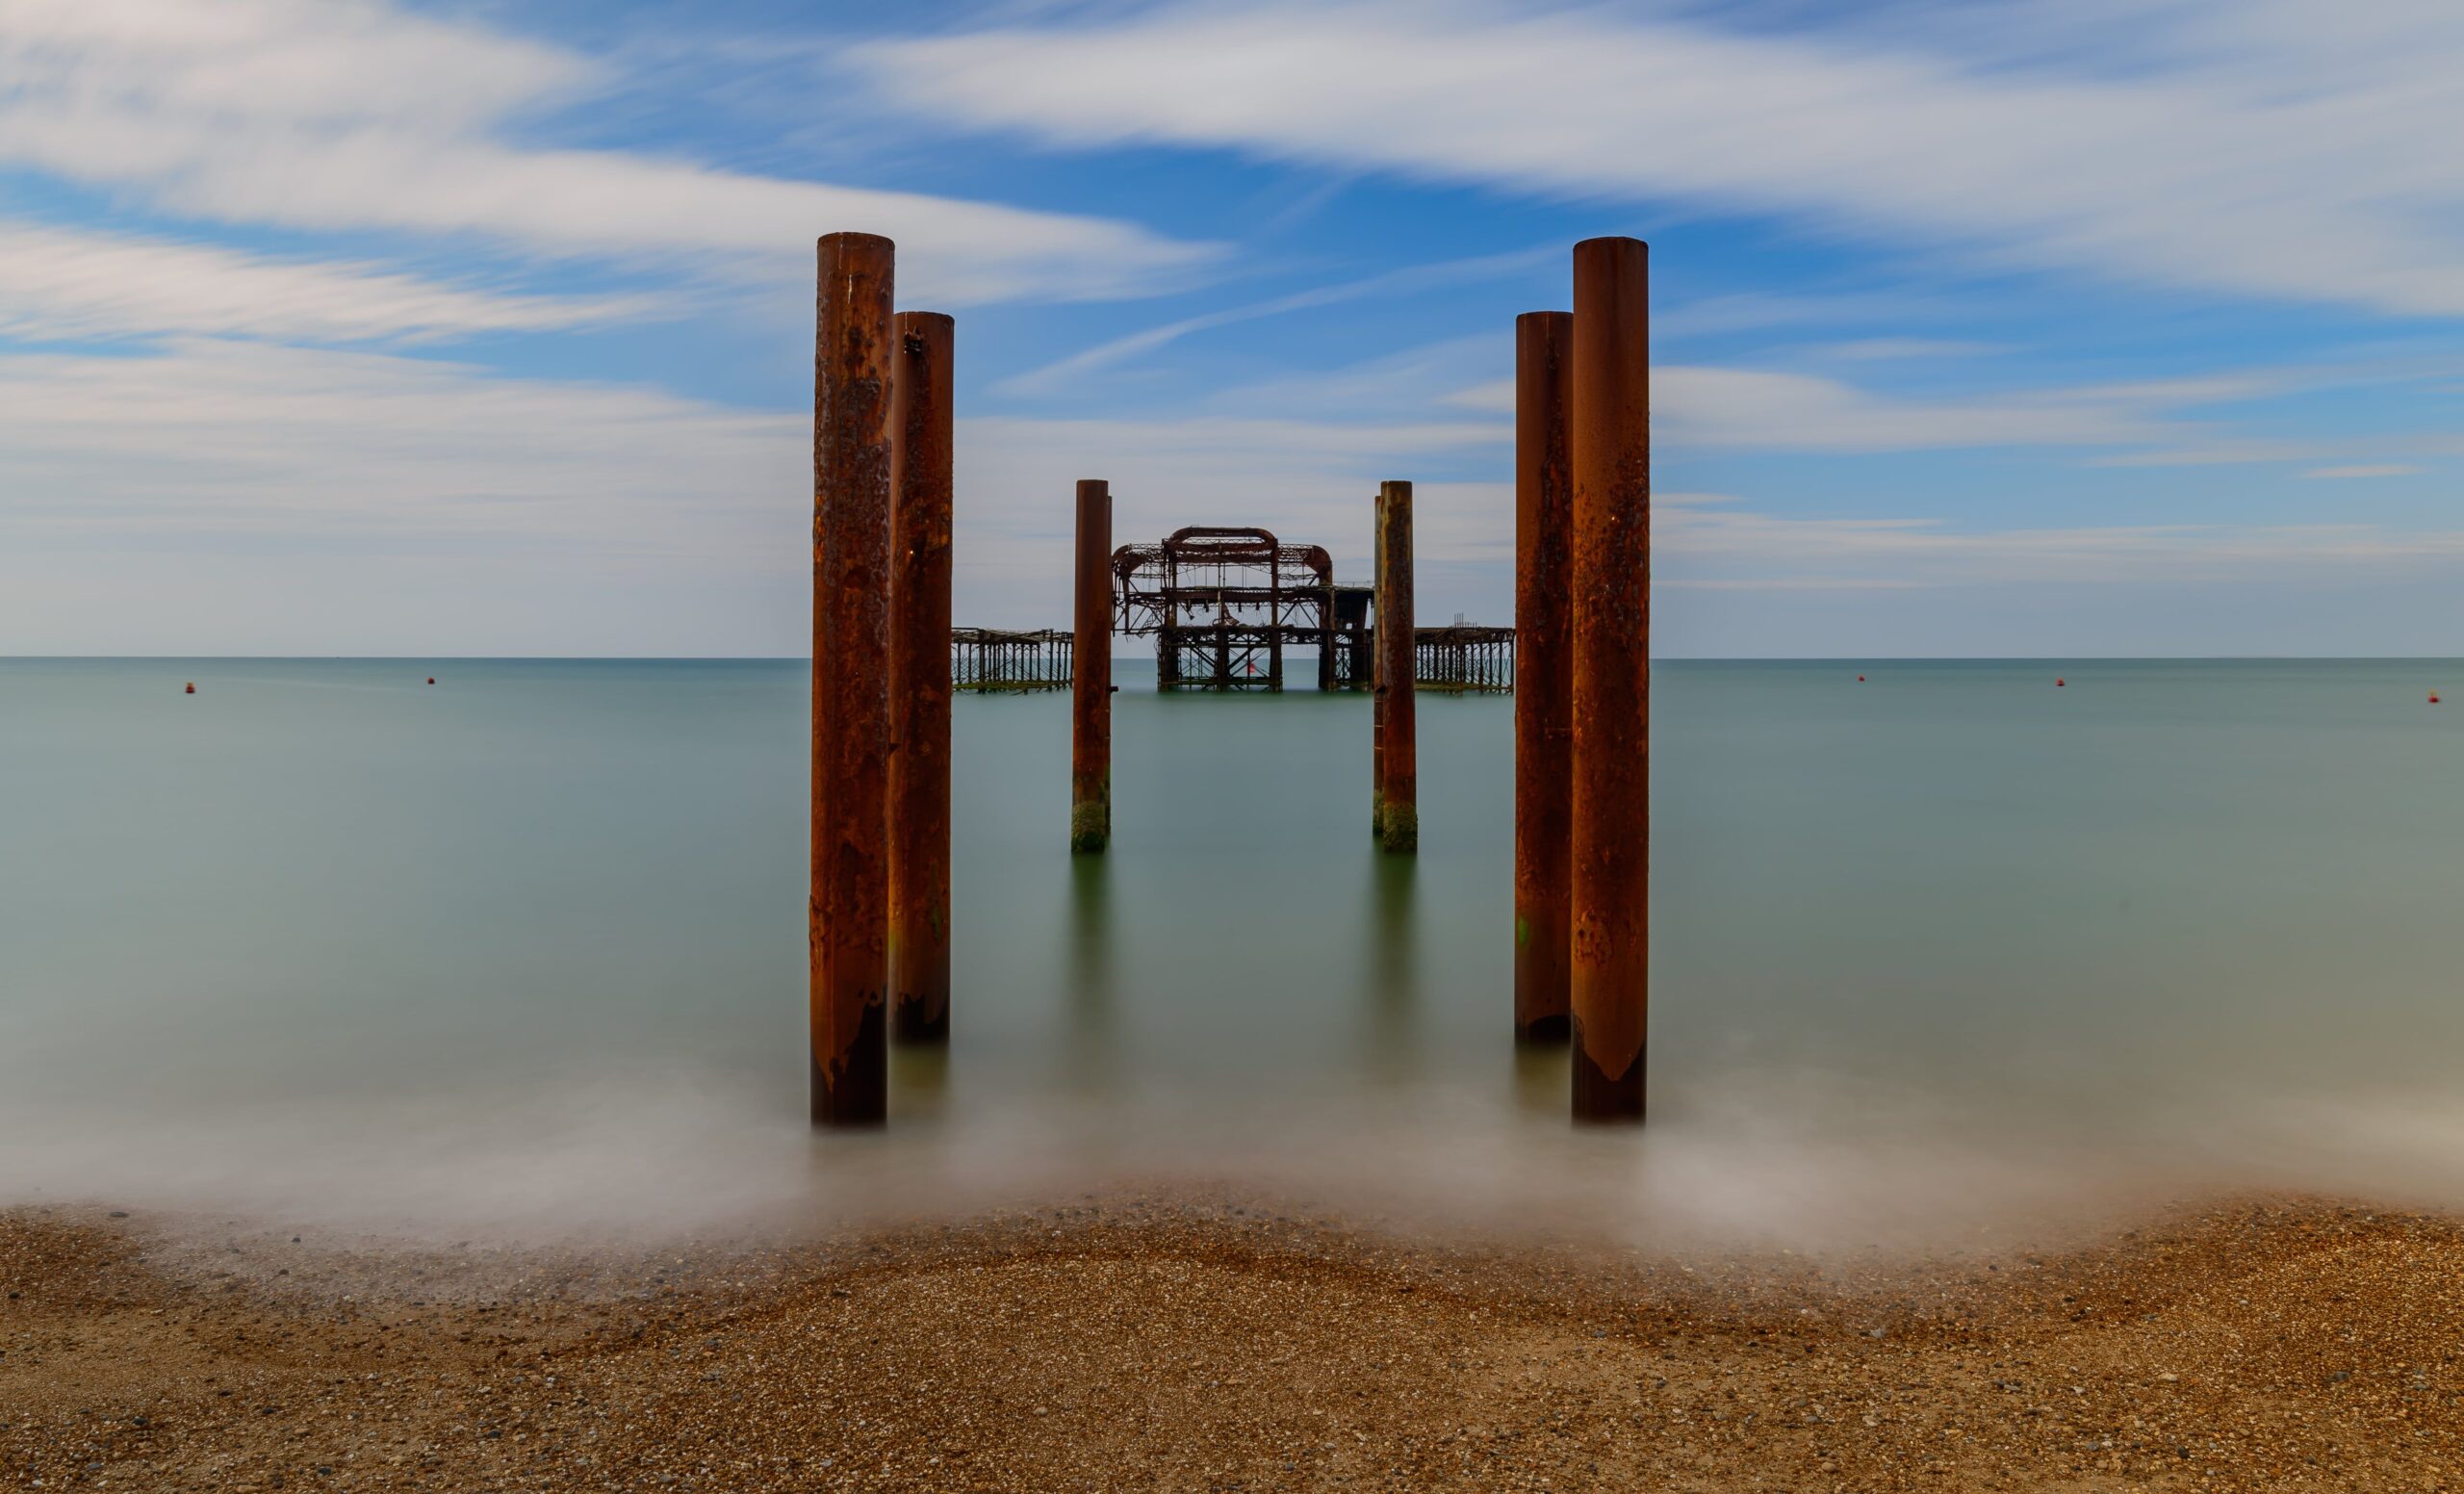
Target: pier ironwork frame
<point>1464,659</point>
<point>1222,604</point>
<point>992,660</point>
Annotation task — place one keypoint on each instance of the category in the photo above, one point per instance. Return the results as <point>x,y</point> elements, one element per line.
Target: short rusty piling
<point>1376,680</point>
<point>1398,809</point>
<point>848,913</point>
<point>1610,444</point>
<point>919,678</point>
<point>1090,703</point>
<point>1543,675</point>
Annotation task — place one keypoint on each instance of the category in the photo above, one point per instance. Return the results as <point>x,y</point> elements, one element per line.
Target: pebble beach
<point>1143,1342</point>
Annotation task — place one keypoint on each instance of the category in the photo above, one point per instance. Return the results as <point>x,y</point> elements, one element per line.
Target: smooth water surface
<point>529,942</point>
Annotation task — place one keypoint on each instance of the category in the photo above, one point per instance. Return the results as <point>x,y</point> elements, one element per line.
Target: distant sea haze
<point>1933,951</point>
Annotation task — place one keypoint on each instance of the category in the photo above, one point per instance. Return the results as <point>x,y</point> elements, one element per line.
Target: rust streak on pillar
<point>1398,817</point>
<point>1091,705</point>
<point>919,679</point>
<point>1610,445</point>
<point>1543,673</point>
<point>1377,679</point>
<point>849,913</point>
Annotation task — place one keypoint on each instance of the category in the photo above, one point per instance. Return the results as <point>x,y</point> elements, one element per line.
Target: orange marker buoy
<point>192,689</point>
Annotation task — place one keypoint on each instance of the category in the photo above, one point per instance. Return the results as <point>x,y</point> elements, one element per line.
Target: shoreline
<point>2261,1343</point>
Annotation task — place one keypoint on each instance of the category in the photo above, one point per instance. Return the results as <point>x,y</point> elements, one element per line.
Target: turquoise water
<point>529,942</point>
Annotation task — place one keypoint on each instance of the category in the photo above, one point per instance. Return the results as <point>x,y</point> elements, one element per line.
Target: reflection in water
<point>1089,989</point>
<point>1392,1049</point>
<point>919,1081</point>
<point>1542,1085</point>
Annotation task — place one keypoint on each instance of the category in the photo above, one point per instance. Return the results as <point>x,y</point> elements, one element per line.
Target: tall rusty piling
<point>849,913</point>
<point>1397,813</point>
<point>919,678</point>
<point>1543,673</point>
<point>1610,449</point>
<point>1090,704</point>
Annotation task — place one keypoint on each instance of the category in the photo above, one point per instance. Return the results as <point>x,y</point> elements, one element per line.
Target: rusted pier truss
<point>1465,659</point>
<point>1223,604</point>
<point>991,660</point>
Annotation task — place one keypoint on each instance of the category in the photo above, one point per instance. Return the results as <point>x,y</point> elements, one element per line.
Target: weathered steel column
<point>919,679</point>
<point>1376,678</point>
<point>1091,705</point>
<point>851,580</point>
<point>1610,445</point>
<point>1543,675</point>
<point>1398,815</point>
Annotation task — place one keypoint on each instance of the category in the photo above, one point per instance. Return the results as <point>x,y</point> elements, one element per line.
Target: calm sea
<point>527,945</point>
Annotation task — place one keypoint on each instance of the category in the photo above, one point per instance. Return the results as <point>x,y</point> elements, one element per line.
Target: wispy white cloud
<point>1712,544</point>
<point>2365,470</point>
<point>1061,374</point>
<point>2268,147</point>
<point>354,115</point>
<point>294,448</point>
<point>1762,409</point>
<point>57,283</point>
<point>2219,451</point>
<point>1878,349</point>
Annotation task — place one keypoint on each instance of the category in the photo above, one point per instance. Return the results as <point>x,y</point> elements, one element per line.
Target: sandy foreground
<point>2270,1345</point>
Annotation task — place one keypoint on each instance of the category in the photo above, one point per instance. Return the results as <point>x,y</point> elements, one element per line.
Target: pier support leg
<point>1397,813</point>
<point>849,911</point>
<point>1543,675</point>
<point>919,678</point>
<point>1090,706</point>
<point>1610,446</point>
<point>1377,680</point>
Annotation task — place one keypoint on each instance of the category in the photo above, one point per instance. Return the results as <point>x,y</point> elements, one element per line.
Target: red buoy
<point>192,689</point>
<point>431,678</point>
<point>2058,685</point>
<point>1860,678</point>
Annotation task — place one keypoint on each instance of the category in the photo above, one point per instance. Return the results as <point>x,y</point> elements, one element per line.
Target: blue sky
<point>2013,327</point>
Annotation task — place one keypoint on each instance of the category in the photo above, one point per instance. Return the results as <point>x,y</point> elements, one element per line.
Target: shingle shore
<point>2255,1345</point>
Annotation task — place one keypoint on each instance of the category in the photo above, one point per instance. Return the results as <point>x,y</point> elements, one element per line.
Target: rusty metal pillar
<point>919,678</point>
<point>1397,815</point>
<point>1610,445</point>
<point>1090,706</point>
<point>849,913</point>
<point>1377,679</point>
<point>1543,705</point>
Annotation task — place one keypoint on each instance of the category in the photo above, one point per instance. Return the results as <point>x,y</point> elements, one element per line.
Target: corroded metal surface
<point>1610,445</point>
<point>1543,675</point>
<point>919,679</point>
<point>1222,605</point>
<point>1396,812</point>
<point>851,550</point>
<point>1090,703</point>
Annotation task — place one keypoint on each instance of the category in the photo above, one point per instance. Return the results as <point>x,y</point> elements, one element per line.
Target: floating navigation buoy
<point>431,678</point>
<point>192,689</point>
<point>1860,678</point>
<point>2060,684</point>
